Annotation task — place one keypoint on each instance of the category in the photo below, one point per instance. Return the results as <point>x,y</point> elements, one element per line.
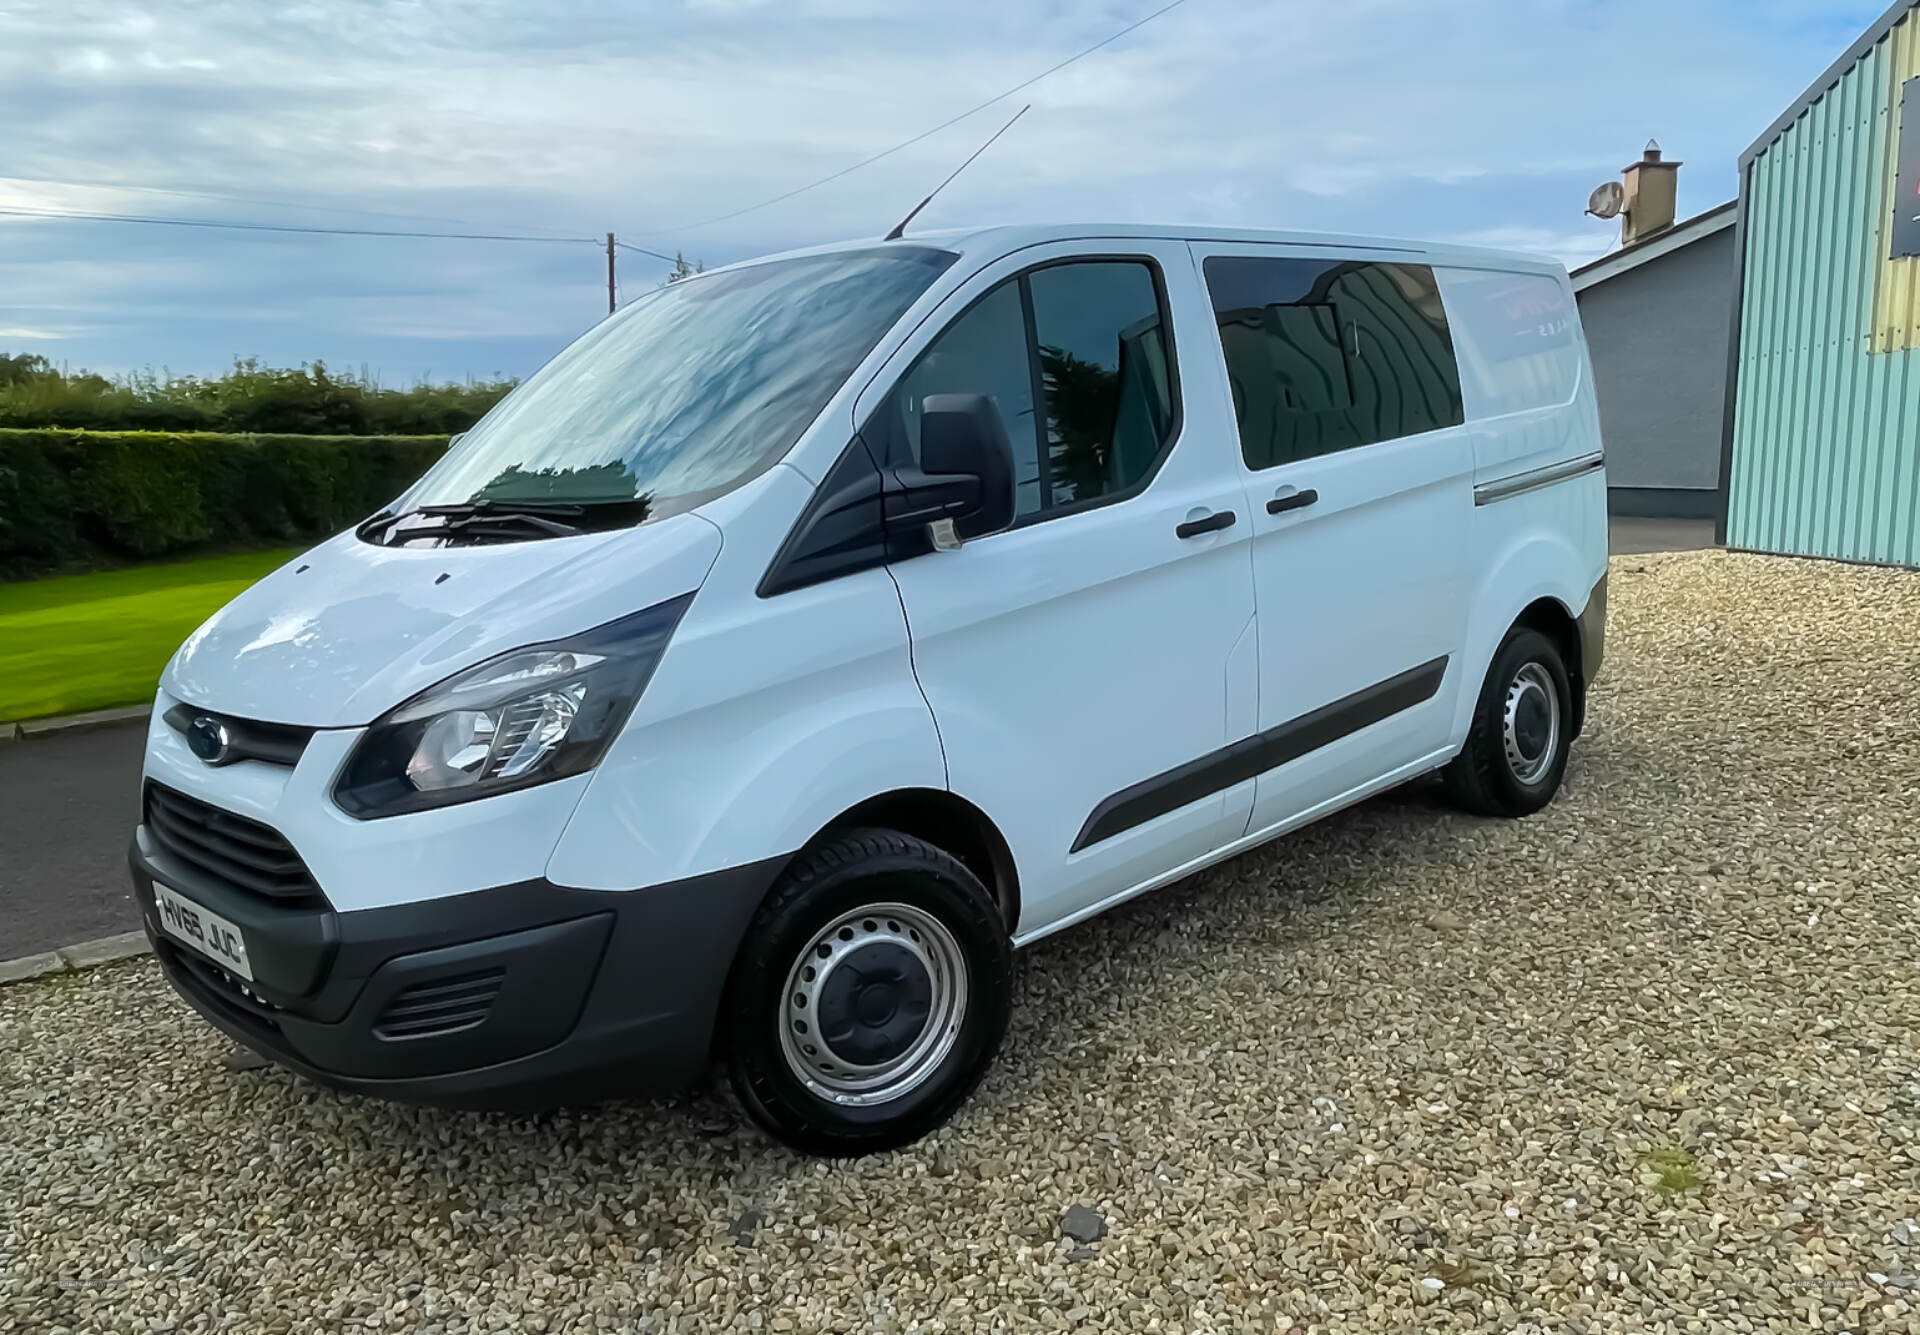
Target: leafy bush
<point>83,498</point>
<point>307,400</point>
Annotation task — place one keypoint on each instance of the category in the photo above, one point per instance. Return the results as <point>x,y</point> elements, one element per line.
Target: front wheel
<point>1522,731</point>
<point>871,994</point>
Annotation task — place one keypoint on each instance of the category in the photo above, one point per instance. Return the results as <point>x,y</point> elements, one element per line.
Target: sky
<point>1486,121</point>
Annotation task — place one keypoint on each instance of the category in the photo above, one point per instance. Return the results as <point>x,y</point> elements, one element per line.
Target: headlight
<point>526,717</point>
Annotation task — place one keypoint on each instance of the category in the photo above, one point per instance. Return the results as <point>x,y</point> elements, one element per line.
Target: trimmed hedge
<point>306,400</point>
<point>75,499</point>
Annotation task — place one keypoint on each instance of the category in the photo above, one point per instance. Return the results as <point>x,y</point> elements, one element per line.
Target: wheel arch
<point>941,818</point>
<point>948,822</point>
<point>1539,579</point>
<point>1552,619</point>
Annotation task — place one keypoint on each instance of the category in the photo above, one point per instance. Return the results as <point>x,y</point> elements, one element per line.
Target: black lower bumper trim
<point>528,995</point>
<point>1592,623</point>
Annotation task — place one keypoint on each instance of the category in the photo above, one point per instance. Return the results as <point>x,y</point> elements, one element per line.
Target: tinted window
<point>1103,362</point>
<point>1090,339</point>
<point>1326,355</point>
<point>983,352</point>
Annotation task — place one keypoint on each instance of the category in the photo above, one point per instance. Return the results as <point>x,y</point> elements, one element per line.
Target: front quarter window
<point>684,395</point>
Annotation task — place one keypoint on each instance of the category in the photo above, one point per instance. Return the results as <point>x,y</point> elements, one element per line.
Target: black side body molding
<point>1250,756</point>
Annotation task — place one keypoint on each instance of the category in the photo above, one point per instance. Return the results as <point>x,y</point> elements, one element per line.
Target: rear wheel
<point>1522,730</point>
<point>870,996</point>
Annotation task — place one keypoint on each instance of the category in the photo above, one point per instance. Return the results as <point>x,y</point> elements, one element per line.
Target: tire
<point>1513,766</point>
<point>889,1034</point>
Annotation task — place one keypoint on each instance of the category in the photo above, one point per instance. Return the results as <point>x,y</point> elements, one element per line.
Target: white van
<point>813,632</point>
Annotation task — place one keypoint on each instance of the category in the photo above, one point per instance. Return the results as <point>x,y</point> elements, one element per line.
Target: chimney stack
<point>1651,184</point>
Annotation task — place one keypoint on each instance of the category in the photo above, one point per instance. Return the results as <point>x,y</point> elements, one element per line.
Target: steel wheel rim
<point>903,933</point>
<point>1530,723</point>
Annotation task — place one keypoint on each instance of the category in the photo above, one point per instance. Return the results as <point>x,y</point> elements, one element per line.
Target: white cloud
<point>1571,247</point>
<point>1489,120</point>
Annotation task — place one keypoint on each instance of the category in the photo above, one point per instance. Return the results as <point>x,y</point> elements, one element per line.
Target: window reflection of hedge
<point>610,481</point>
<point>1083,406</point>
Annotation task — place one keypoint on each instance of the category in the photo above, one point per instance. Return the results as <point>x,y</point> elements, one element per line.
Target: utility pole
<point>609,273</point>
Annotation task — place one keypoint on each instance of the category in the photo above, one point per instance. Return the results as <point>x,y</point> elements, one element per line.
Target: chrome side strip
<point>1486,493</point>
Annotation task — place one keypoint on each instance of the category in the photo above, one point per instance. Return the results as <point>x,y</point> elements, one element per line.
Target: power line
<point>625,245</point>
<point>249,199</point>
<point>282,227</point>
<point>76,216</point>
<point>925,134</point>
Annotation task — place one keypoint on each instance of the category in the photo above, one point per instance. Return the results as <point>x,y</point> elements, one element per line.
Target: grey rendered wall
<point>1658,336</point>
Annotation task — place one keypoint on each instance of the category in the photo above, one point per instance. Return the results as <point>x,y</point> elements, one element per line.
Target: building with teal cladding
<point>1821,455</point>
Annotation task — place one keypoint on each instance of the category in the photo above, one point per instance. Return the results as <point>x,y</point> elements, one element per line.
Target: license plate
<point>206,931</point>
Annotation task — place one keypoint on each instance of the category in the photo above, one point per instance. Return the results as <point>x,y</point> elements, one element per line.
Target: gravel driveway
<point>1643,1062</point>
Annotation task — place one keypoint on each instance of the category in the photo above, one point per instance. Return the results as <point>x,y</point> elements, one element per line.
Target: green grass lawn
<point>93,641</point>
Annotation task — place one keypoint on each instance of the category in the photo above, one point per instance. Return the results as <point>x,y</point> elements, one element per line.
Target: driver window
<point>1090,338</point>
<point>983,352</point>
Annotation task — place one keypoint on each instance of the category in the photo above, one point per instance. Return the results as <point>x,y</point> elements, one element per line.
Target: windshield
<point>689,391</point>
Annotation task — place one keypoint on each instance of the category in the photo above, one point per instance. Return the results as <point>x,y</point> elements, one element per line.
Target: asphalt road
<point>68,804</point>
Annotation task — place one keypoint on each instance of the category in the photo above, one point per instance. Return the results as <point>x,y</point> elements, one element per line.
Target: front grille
<point>443,1006</point>
<point>236,851</point>
<point>247,739</point>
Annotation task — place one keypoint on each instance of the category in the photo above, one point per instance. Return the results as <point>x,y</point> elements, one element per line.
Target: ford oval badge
<point>209,739</point>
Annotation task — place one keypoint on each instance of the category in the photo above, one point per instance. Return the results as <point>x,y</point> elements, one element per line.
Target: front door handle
<point>1212,523</point>
<point>1297,501</point>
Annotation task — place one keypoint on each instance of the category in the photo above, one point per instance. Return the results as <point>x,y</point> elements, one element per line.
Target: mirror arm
<point>930,504</point>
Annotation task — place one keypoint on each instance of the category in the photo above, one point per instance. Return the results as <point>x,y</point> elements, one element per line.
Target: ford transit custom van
<point>811,634</point>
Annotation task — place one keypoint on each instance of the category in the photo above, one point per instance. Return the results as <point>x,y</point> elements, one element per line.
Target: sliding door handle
<point>1298,500</point>
<point>1212,523</point>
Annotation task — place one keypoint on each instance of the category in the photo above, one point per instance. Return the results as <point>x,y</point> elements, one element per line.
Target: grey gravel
<point>1082,1224</point>
<point>1667,1078</point>
<point>240,1059</point>
<point>744,1228</point>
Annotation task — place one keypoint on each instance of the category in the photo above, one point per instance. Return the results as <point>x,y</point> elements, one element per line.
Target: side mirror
<point>963,487</point>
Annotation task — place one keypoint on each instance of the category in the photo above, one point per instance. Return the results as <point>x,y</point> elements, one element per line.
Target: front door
<point>1359,481</point>
<point>1077,661</point>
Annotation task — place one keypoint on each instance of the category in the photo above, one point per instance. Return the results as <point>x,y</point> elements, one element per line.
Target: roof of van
<point>991,242</point>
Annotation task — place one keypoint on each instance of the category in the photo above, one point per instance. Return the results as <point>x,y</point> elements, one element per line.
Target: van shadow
<point>1093,1007</point>
<point>1074,995</point>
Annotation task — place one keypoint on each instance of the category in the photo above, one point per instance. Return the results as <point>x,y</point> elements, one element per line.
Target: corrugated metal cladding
<point>1825,457</point>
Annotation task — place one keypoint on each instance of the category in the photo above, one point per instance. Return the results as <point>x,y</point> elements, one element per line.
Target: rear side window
<point>1327,355</point>
<point>1518,337</point>
<point>1077,359</point>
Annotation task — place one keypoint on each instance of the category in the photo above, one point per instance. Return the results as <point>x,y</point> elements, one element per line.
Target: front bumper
<point>523,996</point>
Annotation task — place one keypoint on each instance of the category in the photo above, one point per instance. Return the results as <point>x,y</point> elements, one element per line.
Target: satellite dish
<point>1607,200</point>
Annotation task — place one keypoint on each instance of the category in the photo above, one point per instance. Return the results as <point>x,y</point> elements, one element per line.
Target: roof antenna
<point>901,228</point>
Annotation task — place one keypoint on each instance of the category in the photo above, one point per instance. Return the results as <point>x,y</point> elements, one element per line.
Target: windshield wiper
<point>609,507</point>
<point>374,525</point>
<point>504,525</point>
<point>509,518</point>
